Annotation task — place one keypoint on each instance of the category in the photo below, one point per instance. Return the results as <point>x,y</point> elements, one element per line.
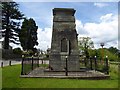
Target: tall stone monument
<point>64,41</point>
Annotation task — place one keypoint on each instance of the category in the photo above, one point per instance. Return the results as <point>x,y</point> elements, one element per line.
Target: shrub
<point>17,51</point>
<point>47,55</point>
<point>28,53</point>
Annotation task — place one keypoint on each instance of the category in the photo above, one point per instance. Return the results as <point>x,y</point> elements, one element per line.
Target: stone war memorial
<point>64,59</point>
<point>64,41</point>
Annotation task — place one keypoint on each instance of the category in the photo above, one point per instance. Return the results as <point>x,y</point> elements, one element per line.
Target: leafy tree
<point>113,50</point>
<point>28,34</point>
<point>85,43</point>
<point>111,56</point>
<point>10,22</point>
<point>98,53</point>
<point>93,53</point>
<point>17,51</point>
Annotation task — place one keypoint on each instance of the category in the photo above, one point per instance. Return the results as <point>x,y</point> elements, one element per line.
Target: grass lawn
<point>11,79</point>
<point>0,78</point>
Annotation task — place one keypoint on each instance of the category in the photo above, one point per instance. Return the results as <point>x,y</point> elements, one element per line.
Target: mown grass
<point>0,78</point>
<point>11,79</point>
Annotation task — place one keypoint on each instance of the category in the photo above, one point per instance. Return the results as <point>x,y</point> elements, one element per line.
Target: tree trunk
<point>6,42</point>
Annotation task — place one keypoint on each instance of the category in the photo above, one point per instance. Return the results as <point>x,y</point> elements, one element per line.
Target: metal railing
<point>97,64</point>
<point>29,64</point>
<point>93,63</point>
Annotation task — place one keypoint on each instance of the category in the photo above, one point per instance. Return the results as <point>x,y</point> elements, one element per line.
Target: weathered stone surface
<point>64,19</point>
<point>64,41</point>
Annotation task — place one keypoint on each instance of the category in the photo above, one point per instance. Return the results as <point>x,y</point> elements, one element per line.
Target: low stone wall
<point>8,54</point>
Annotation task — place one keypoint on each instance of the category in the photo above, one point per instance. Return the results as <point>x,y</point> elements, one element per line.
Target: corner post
<point>22,65</point>
<point>91,63</point>
<point>107,66</point>
<point>1,64</point>
<point>95,63</point>
<point>32,62</point>
<point>66,70</point>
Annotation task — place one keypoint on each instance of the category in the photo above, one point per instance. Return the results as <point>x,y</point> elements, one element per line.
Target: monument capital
<point>63,11</point>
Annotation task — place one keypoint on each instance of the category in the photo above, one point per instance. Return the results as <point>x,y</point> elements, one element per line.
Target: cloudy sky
<point>98,20</point>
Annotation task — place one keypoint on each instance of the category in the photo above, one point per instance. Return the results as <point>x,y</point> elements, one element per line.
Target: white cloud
<point>100,4</point>
<point>80,28</point>
<point>107,17</point>
<point>44,38</point>
<point>106,31</point>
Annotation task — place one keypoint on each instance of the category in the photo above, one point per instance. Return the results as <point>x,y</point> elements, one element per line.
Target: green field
<point>11,79</point>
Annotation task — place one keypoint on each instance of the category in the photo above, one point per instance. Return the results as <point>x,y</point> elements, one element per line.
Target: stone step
<point>39,72</point>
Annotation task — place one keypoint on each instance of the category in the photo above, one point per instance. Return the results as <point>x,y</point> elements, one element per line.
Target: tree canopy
<point>10,23</point>
<point>28,34</point>
<point>84,44</point>
<point>113,50</point>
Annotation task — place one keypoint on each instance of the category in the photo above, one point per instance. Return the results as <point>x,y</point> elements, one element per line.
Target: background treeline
<point>111,52</point>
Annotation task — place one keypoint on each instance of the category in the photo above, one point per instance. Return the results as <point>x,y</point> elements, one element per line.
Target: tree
<point>84,44</point>
<point>28,34</point>
<point>10,23</point>
<point>17,51</point>
<point>113,50</point>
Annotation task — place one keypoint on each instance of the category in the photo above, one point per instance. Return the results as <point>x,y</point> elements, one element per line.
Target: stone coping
<point>67,77</point>
<point>43,73</point>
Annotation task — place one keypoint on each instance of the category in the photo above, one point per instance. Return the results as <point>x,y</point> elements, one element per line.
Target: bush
<point>17,51</point>
<point>28,53</point>
<point>47,55</point>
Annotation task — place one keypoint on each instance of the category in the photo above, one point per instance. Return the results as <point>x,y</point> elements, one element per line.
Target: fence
<point>29,64</point>
<point>97,64</point>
